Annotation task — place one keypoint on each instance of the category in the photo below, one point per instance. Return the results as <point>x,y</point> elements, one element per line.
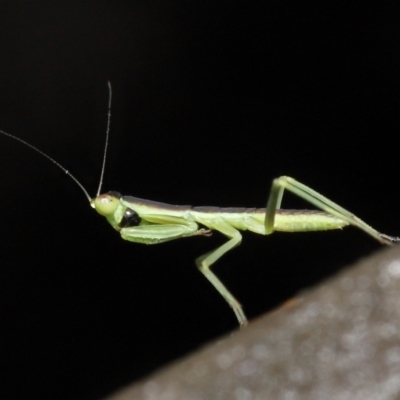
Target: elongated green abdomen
<point>253,219</point>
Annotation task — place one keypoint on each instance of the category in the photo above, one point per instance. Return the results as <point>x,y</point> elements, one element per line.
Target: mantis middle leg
<point>205,262</point>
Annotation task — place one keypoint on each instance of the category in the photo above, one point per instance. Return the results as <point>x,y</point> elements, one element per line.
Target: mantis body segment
<point>149,222</point>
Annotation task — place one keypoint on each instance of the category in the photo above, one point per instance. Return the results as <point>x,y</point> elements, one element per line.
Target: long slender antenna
<point>49,158</point>
<point>107,135</point>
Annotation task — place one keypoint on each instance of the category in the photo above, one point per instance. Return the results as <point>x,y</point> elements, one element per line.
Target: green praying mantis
<point>150,222</point>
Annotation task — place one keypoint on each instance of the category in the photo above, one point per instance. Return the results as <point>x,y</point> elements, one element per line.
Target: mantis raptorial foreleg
<point>153,234</point>
<point>313,197</point>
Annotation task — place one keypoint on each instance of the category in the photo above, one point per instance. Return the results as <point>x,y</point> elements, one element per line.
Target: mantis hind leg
<point>323,203</point>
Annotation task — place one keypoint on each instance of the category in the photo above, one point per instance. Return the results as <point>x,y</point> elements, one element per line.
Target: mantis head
<point>106,204</point>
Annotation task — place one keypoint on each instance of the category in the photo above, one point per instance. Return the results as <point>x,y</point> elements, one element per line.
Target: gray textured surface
<point>340,340</point>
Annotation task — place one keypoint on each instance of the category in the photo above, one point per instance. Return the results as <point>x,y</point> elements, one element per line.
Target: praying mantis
<point>150,222</point>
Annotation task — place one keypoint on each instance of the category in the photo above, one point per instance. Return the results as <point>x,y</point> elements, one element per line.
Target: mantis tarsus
<point>150,222</point>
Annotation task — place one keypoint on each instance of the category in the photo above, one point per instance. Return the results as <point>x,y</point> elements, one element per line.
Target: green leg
<point>205,262</point>
<point>310,195</point>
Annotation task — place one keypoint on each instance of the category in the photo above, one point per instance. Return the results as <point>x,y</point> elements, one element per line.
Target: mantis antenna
<point>51,159</point>
<point>63,168</point>
<point>103,166</point>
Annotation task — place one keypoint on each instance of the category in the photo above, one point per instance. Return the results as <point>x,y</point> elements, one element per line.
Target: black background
<point>210,103</point>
